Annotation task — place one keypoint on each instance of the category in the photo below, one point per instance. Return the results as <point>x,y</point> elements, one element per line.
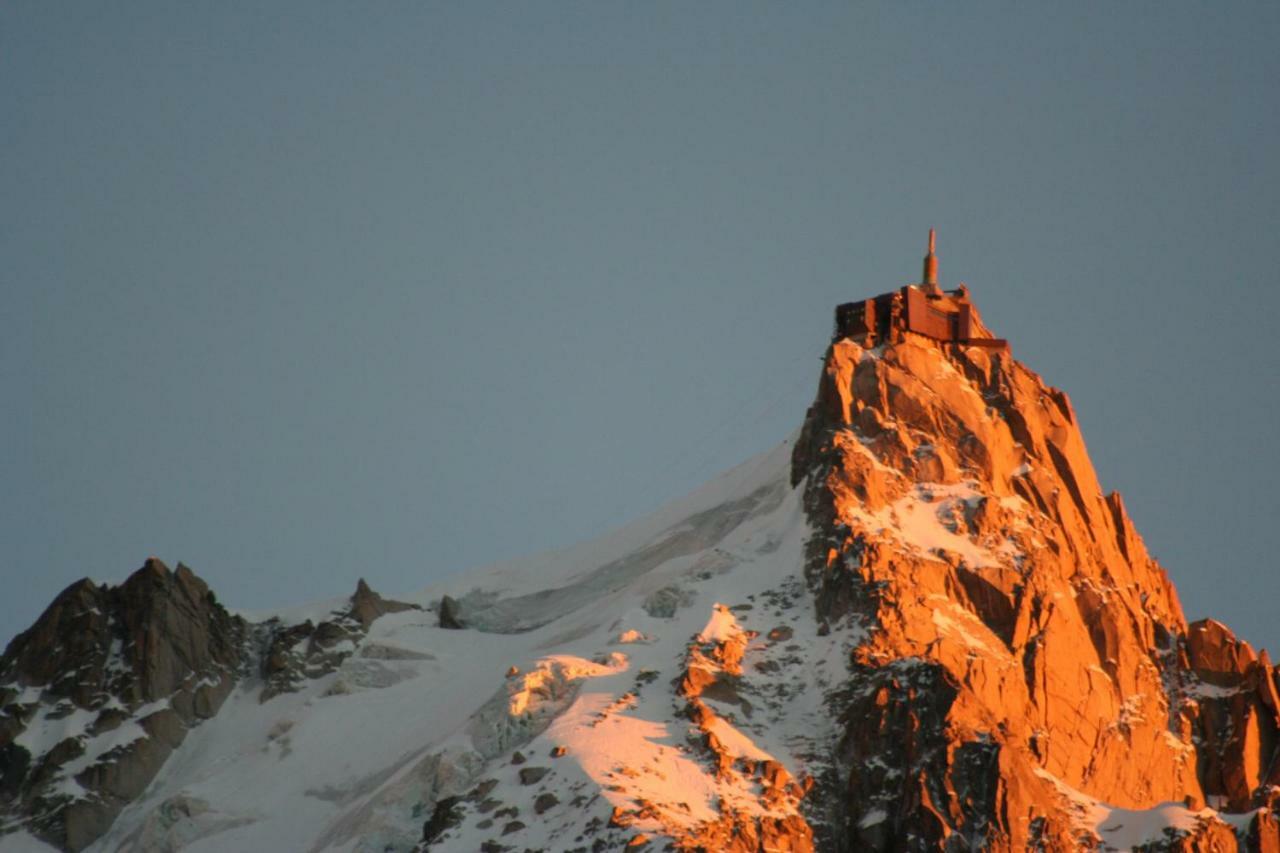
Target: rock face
<point>1025,660</point>
<point>450,615</point>
<point>295,654</point>
<point>100,690</point>
<point>96,695</point>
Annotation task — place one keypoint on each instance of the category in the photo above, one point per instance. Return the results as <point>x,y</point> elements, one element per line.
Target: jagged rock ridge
<point>106,685</point>
<point>97,694</point>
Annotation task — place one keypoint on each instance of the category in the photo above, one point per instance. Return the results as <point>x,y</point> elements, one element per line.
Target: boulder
<point>451,614</point>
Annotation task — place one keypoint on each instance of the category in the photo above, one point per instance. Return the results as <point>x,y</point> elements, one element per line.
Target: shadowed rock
<point>297,653</point>
<point>367,605</point>
<point>451,614</point>
<point>157,652</point>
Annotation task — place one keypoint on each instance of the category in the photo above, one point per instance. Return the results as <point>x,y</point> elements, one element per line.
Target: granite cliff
<point>1026,666</point>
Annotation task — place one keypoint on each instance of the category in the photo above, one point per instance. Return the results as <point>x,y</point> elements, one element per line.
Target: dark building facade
<point>921,309</point>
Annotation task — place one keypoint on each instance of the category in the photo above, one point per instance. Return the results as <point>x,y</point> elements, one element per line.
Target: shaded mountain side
<point>98,693</point>
<point>1027,662</point>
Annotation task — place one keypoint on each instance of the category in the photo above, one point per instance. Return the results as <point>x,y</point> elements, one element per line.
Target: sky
<point>298,293</point>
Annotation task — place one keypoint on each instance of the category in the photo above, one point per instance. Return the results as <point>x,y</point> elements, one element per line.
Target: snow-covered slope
<point>578,652</point>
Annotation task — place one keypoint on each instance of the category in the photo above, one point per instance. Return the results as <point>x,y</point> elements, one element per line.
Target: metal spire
<point>931,264</point>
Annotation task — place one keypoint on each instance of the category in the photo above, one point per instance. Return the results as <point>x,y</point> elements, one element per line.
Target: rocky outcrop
<point>1234,709</point>
<point>451,614</point>
<point>97,694</point>
<point>294,654</point>
<point>712,673</point>
<point>1019,640</point>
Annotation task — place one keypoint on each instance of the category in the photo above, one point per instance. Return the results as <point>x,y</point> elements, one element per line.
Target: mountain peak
<point>1011,608</point>
<point>921,626</point>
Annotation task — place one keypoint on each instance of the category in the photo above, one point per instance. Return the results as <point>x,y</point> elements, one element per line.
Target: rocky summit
<point>100,691</point>
<point>1026,677</point>
<point>918,624</point>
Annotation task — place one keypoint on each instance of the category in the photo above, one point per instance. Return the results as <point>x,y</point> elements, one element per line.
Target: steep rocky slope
<point>918,625</point>
<point>98,693</point>
<point>109,681</point>
<point>1028,661</point>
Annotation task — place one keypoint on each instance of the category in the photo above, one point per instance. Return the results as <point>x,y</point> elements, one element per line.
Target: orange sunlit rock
<point>1021,641</point>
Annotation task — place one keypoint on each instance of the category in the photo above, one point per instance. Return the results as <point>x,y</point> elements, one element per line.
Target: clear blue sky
<point>301,292</point>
